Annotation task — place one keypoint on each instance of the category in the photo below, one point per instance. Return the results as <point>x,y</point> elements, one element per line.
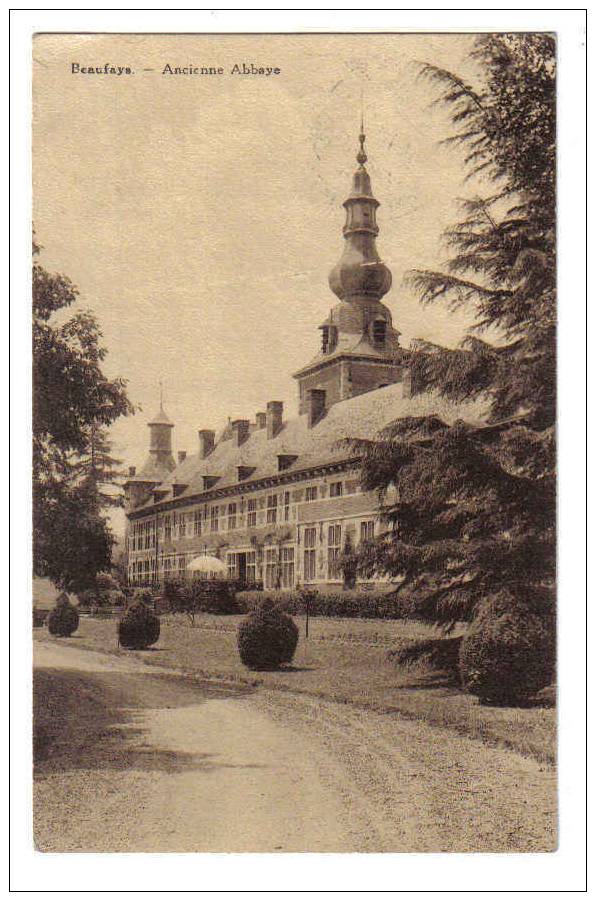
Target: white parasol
<point>211,566</point>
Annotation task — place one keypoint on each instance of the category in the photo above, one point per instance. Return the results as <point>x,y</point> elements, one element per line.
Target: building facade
<point>280,500</point>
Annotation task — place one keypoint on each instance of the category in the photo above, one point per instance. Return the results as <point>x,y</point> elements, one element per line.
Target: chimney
<point>240,431</point>
<point>132,471</point>
<point>274,418</point>
<point>316,405</point>
<point>206,442</point>
<point>181,456</point>
<point>261,418</point>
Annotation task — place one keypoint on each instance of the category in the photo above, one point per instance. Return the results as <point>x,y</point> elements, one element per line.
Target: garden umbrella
<point>211,566</point>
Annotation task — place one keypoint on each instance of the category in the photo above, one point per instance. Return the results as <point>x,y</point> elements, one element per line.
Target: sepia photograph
<point>294,443</point>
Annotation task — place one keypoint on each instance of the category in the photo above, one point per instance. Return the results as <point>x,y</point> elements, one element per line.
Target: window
<point>379,328</point>
<point>272,509</point>
<point>232,566</point>
<point>270,567</point>
<point>336,489</point>
<point>333,551</point>
<point>310,494</point>
<point>287,506</point>
<point>182,525</point>
<point>231,515</point>
<point>367,531</point>
<point>251,566</point>
<point>287,567</point>
<point>197,530</point>
<point>214,524</point>
<point>168,528</point>
<point>181,564</point>
<point>310,554</point>
<point>251,515</point>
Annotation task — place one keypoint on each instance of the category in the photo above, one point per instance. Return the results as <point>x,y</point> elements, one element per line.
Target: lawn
<point>343,660</point>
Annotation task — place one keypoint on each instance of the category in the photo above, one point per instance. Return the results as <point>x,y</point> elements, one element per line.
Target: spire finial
<point>361,157</point>
<point>161,394</point>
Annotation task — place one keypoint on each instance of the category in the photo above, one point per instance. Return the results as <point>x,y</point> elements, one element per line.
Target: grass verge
<point>344,661</point>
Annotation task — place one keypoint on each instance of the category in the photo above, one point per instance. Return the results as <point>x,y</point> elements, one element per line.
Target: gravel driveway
<point>132,758</point>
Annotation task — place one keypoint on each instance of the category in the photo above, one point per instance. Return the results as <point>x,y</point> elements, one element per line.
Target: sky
<point>199,216</point>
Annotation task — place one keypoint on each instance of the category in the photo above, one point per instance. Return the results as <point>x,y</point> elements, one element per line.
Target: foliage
<point>471,511</point>
<point>357,604</point>
<point>349,564</point>
<point>105,582</point>
<point>267,638</point>
<point>73,404</point>
<point>508,653</point>
<point>64,618</point>
<point>39,617</point>
<point>213,596</point>
<point>439,654</point>
<point>139,627</point>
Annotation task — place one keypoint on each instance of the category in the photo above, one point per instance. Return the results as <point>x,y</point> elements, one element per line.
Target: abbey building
<point>277,499</point>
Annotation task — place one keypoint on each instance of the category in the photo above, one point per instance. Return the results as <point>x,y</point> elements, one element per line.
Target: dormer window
<point>328,338</point>
<point>379,333</point>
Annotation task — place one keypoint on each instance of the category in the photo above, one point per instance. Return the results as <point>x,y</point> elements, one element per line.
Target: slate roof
<point>362,416</point>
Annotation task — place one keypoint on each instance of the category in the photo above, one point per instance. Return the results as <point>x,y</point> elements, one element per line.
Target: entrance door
<point>242,567</point>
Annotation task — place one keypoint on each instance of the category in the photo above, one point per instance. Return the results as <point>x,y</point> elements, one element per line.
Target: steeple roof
<point>160,419</point>
<point>360,271</point>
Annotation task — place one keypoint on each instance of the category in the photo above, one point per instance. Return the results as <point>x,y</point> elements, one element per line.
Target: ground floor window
<point>232,560</point>
<point>271,567</point>
<point>310,554</point>
<point>367,530</point>
<point>333,551</point>
<point>251,566</point>
<point>287,567</point>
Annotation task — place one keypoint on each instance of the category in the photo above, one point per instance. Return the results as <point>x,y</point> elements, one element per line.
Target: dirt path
<point>134,759</point>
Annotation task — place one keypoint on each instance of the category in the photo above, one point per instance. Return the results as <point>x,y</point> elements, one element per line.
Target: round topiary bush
<point>508,653</point>
<point>64,618</point>
<point>267,638</point>
<point>139,627</point>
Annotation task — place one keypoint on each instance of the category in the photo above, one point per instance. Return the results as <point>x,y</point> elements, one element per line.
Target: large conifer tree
<point>73,404</point>
<point>475,511</point>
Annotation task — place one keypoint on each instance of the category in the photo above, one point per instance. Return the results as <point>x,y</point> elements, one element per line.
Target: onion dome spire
<point>360,271</point>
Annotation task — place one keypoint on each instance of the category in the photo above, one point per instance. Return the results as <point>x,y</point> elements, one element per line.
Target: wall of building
<point>289,535</point>
<point>365,376</point>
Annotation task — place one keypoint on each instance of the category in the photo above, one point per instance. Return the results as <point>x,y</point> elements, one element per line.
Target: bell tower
<point>360,348</point>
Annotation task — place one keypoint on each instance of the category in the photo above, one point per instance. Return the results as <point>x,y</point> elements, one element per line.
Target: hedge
<point>357,604</point>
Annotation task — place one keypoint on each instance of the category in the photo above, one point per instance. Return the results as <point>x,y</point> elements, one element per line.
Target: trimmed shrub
<point>64,618</point>
<point>508,653</point>
<point>267,638</point>
<point>437,654</point>
<point>139,627</point>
